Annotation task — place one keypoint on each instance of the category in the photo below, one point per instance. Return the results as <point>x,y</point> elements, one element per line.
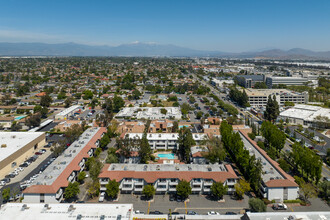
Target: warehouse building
<point>259,97</point>
<point>165,177</point>
<point>308,115</point>
<point>49,186</point>
<point>16,147</point>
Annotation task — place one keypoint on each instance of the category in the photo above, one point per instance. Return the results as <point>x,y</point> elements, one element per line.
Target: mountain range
<point>148,49</point>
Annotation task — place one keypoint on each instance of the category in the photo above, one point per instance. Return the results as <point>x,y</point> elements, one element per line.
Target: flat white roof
<point>305,112</point>
<point>68,110</point>
<point>15,141</point>
<point>165,136</point>
<point>62,211</point>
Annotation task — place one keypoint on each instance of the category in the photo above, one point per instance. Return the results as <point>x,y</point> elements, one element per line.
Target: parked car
<point>43,151</point>
<point>101,198</point>
<point>24,165</point>
<point>231,213</point>
<point>9,176</point>
<point>213,213</point>
<point>19,169</point>
<point>156,213</point>
<point>191,213</point>
<point>172,197</point>
<point>38,153</point>
<point>138,212</point>
<point>2,183</point>
<point>6,180</point>
<point>280,206</point>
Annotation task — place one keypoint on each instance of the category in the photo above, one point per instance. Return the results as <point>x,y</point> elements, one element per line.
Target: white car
<point>14,172</point>
<point>2,183</point>
<point>19,169</point>
<point>213,213</point>
<point>101,199</point>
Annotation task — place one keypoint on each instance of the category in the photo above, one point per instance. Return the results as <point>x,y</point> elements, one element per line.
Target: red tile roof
<point>62,179</point>
<point>152,176</point>
<point>287,182</point>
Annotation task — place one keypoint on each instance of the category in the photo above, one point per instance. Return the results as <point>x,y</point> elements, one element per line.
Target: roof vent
<point>3,145</point>
<point>71,208</point>
<point>102,217</point>
<point>24,207</point>
<point>79,216</point>
<point>209,168</point>
<point>46,206</point>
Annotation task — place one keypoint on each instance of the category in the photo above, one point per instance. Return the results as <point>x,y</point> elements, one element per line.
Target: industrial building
<point>307,115</point>
<point>150,113</point>
<point>16,147</point>
<point>259,97</point>
<point>165,177</point>
<point>49,186</point>
<point>276,183</point>
<point>289,81</point>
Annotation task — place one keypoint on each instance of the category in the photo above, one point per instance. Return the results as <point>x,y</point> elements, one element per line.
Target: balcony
<point>161,189</point>
<point>103,188</point>
<point>127,187</point>
<point>174,183</point>
<point>196,189</point>
<point>208,183</point>
<point>207,190</point>
<point>104,181</point>
<point>59,194</point>
<point>162,183</point>
<point>139,183</point>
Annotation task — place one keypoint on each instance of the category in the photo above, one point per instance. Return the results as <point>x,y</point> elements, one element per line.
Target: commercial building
<point>66,211</point>
<point>66,113</point>
<point>165,141</point>
<point>248,81</point>
<point>16,147</point>
<point>49,186</point>
<point>308,115</point>
<point>151,113</point>
<point>276,183</point>
<point>165,177</point>
<point>259,97</point>
<point>289,81</point>
<point>220,83</point>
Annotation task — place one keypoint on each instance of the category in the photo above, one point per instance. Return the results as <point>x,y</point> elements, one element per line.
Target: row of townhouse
<point>165,177</point>
<point>165,141</point>
<point>49,186</point>
<point>276,184</point>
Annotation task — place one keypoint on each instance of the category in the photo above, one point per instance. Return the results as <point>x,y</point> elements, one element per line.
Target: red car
<point>38,153</point>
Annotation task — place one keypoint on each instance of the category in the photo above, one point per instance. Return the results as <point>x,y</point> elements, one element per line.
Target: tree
<point>112,188</point>
<point>199,115</point>
<point>88,94</point>
<point>6,194</point>
<point>307,191</point>
<point>93,188</point>
<point>183,189</point>
<point>324,188</point>
<point>272,109</point>
<point>185,141</point>
<point>260,85</point>
<point>148,191</point>
<point>33,121</point>
<point>163,111</point>
<point>218,189</point>
<point>257,205</point>
<point>61,95</point>
<point>105,140</point>
<point>144,150</point>
<point>284,165</point>
<point>136,94</point>
<point>71,191</point>
<point>81,177</point>
<point>118,102</point>
<point>95,168</point>
<point>68,102</point>
<point>216,152</point>
<point>45,101</point>
<point>242,187</point>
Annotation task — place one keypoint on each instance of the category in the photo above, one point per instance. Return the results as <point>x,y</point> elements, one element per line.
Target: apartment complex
<point>276,183</point>
<point>150,113</point>
<point>259,97</point>
<point>16,147</point>
<point>165,177</point>
<point>165,141</point>
<point>49,186</point>
<point>289,81</point>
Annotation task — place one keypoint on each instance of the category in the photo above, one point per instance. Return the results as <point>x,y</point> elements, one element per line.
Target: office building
<point>289,81</point>
<point>248,81</point>
<point>165,177</point>
<point>16,147</point>
<point>259,97</point>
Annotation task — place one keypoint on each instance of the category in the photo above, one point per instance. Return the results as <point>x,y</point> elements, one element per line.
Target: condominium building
<point>165,177</point>
<point>276,183</point>
<point>165,141</point>
<point>259,97</point>
<point>49,186</point>
<point>290,81</point>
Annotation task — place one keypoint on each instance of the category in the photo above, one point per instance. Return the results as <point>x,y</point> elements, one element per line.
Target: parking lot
<point>198,203</point>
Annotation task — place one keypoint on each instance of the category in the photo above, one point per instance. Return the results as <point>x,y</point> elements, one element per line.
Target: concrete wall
<point>293,193</point>
<point>21,155</point>
<point>35,198</point>
<point>277,193</point>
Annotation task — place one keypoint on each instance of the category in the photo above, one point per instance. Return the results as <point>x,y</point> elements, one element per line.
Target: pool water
<point>167,156</point>
<point>20,117</point>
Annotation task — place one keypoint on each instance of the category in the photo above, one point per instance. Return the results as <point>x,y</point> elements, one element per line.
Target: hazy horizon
<point>235,26</point>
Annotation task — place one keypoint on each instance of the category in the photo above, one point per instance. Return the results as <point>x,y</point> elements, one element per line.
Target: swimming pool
<point>181,126</point>
<point>167,156</point>
<point>20,117</point>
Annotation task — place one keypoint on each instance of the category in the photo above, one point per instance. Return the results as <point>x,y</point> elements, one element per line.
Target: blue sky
<point>233,26</point>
